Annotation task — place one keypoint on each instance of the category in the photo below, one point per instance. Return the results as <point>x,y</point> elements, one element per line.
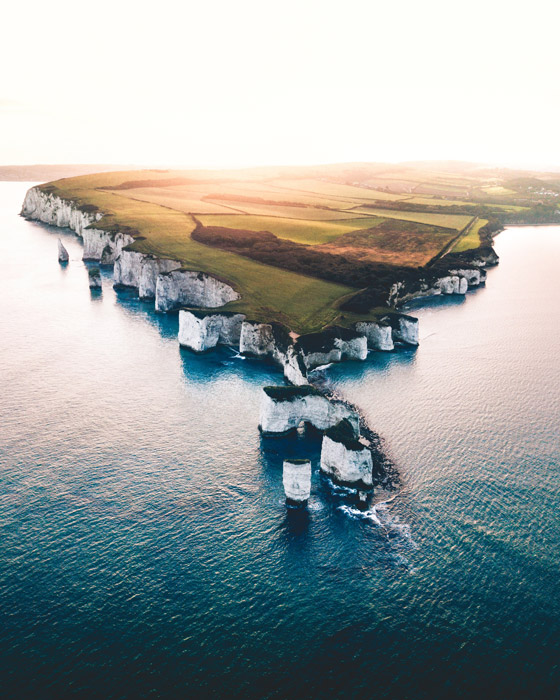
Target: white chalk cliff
<point>379,334</point>
<point>296,478</point>
<point>201,332</point>
<point>347,463</point>
<point>50,209</point>
<point>190,288</point>
<point>285,408</point>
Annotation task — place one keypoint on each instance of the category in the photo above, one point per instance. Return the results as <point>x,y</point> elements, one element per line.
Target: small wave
<point>370,514</point>
<point>380,515</point>
<point>337,489</point>
<point>321,368</point>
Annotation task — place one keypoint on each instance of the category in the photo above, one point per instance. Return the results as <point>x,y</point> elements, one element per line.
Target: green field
<point>299,230</point>
<point>335,210</point>
<point>470,239</point>
<point>453,221</point>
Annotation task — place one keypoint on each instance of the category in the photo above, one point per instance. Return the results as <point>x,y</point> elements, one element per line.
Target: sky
<point>233,83</point>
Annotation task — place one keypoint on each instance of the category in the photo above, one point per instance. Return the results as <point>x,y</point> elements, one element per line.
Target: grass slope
<point>268,293</point>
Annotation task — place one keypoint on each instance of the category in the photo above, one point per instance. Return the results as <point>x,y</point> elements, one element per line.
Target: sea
<point>146,550</point>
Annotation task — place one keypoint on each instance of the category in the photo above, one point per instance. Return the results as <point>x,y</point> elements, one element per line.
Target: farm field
<point>300,230</point>
<point>452,221</point>
<point>341,212</point>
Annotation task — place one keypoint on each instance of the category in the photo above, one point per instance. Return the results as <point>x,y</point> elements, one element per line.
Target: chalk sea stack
<point>345,459</point>
<point>296,477</point>
<point>63,256</point>
<point>284,408</point>
<point>94,276</point>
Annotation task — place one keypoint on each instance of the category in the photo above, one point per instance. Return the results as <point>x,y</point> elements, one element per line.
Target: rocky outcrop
<point>63,256</point>
<point>345,459</point>
<point>483,256</point>
<point>296,477</point>
<point>285,408</point>
<point>189,288</point>
<point>272,341</point>
<point>99,245</point>
<point>94,276</point>
<point>455,281</point>
<point>474,277</point>
<point>103,246</point>
<point>379,334</point>
<point>50,209</point>
<point>331,345</point>
<point>294,368</point>
<point>141,271</point>
<point>200,331</point>
<point>404,328</point>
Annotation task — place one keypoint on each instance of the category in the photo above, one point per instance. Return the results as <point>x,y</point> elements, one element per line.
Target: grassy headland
<point>297,243</point>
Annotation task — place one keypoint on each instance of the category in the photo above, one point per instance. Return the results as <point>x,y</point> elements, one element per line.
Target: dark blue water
<point>145,549</point>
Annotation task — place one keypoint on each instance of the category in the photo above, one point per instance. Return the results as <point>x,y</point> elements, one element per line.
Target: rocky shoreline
<point>348,454</point>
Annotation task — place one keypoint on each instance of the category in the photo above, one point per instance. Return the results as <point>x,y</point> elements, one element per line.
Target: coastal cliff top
<point>309,247</point>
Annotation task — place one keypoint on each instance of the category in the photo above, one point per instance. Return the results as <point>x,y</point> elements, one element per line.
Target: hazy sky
<point>243,82</point>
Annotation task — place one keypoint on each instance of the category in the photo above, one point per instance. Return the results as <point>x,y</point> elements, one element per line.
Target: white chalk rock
<point>345,459</point>
<point>150,270</point>
<point>294,368</point>
<point>94,276</point>
<point>473,277</point>
<point>62,252</point>
<point>50,209</point>
<point>405,330</point>
<point>128,268</point>
<point>103,246</point>
<point>296,477</point>
<point>201,332</point>
<point>331,345</point>
<point>189,288</point>
<point>378,334</point>
<point>257,339</point>
<point>285,408</point>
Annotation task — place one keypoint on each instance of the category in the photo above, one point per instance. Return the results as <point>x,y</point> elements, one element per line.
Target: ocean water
<point>145,548</point>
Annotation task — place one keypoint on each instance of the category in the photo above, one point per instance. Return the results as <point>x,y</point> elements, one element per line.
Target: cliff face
<point>203,332</point>
<point>347,465</point>
<point>53,210</point>
<point>285,411</point>
<point>188,288</point>
<point>99,245</point>
<point>379,334</point>
<point>140,271</point>
<point>331,345</point>
<point>296,478</point>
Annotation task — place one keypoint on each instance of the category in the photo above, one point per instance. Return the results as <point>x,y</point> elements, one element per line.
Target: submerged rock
<point>346,460</point>
<point>284,408</point>
<point>296,477</point>
<point>62,252</point>
<point>94,275</point>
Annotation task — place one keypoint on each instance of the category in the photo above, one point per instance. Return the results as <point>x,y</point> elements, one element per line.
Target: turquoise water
<point>145,549</point>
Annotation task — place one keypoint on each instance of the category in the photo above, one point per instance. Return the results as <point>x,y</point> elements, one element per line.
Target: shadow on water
<point>437,301</point>
<point>128,299</point>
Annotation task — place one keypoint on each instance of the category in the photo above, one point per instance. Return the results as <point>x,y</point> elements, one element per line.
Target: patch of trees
<point>538,214</point>
<point>374,278</point>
